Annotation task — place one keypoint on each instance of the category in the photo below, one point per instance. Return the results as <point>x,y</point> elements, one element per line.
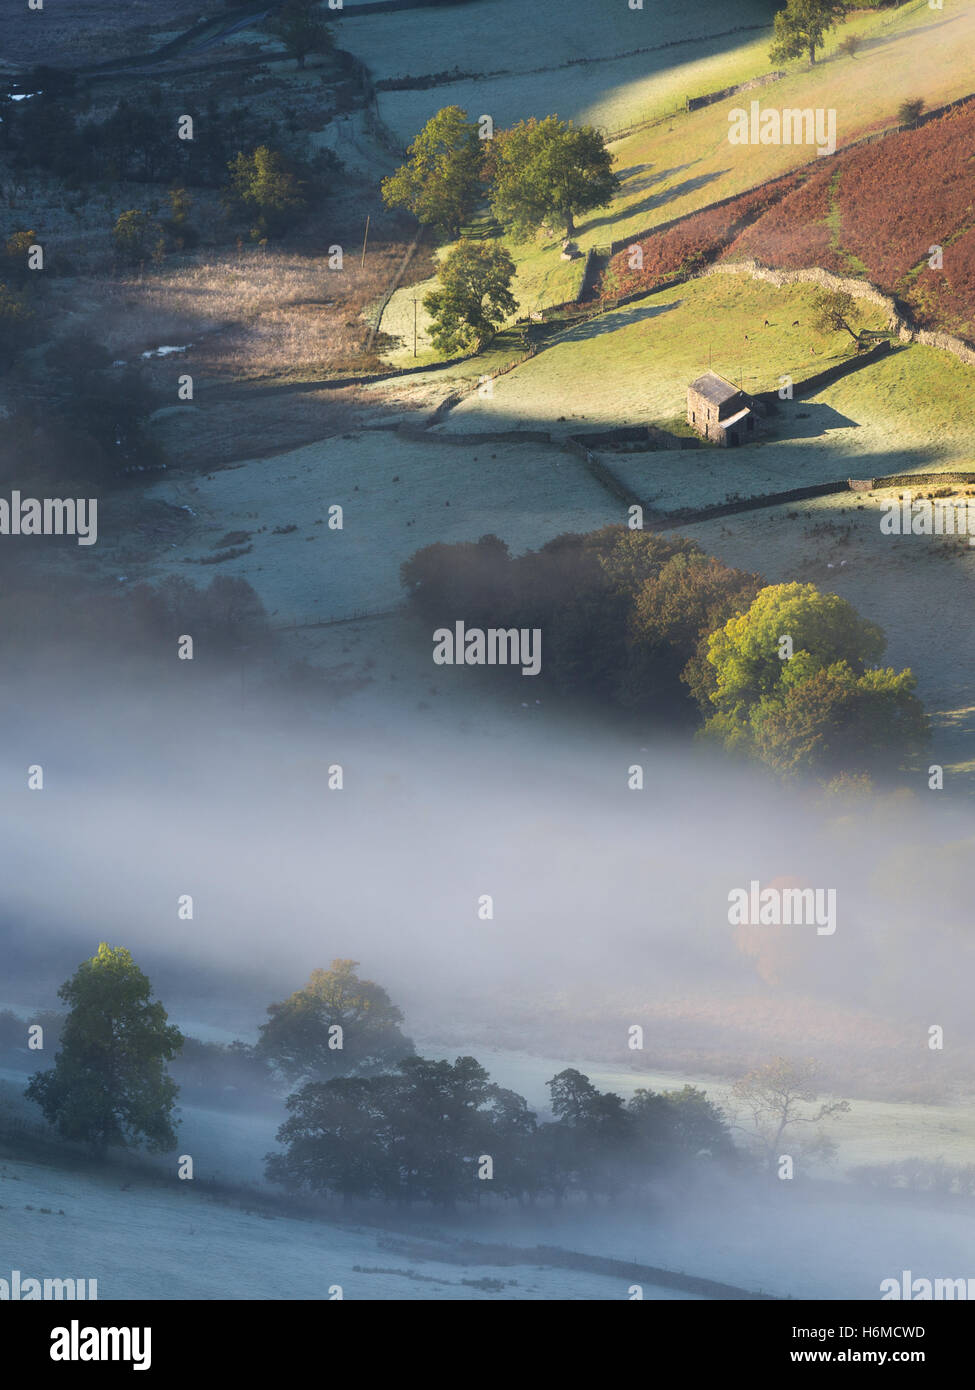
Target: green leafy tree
<point>138,237</point>
<point>549,171</point>
<point>442,1126</point>
<point>474,296</point>
<point>821,709</point>
<point>673,614</point>
<point>338,1137</point>
<point>302,30</point>
<point>909,112</point>
<point>832,312</point>
<point>262,183</point>
<point>414,1134</point>
<point>470,577</point>
<point>440,183</point>
<point>594,1133</point>
<point>802,27</point>
<point>679,1126</point>
<point>837,723</point>
<point>300,1042</point>
<point>109,1084</point>
<point>750,657</point>
<point>180,203</point>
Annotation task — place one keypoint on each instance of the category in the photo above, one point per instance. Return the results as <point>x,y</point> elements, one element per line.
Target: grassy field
<point>633,364</point>
<point>674,169</point>
<point>421,493</point>
<point>613,93</point>
<point>503,36</point>
<point>683,164</point>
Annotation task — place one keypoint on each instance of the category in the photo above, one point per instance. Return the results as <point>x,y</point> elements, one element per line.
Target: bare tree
<point>775,1097</point>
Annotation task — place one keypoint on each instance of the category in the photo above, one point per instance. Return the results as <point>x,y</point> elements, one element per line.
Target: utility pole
<point>364,240</point>
<point>414,325</point>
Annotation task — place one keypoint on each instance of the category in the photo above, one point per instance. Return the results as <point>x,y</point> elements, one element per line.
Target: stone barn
<point>721,411</point>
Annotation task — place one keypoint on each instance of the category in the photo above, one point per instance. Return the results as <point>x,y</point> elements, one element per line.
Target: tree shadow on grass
<point>613,322</point>
<point>634,184</point>
<point>658,200</point>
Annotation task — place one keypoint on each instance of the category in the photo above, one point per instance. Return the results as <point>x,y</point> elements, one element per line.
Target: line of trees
<point>442,1132</point>
<point>250,162</point>
<point>369,1119</point>
<point>535,173</point>
<point>651,624</point>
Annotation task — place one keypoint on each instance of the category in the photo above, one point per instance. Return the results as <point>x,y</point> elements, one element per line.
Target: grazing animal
<point>766,323</point>
<point>795,323</point>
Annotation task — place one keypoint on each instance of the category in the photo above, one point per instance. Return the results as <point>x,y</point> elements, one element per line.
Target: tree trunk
<point>812,53</point>
<point>570,225</point>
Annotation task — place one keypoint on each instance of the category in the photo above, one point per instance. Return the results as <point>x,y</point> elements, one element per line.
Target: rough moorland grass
<point>247,315</point>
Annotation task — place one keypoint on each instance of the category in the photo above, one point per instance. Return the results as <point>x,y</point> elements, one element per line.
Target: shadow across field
<point>810,421</point>
<point>633,184</point>
<point>605,324</point>
<point>658,200</point>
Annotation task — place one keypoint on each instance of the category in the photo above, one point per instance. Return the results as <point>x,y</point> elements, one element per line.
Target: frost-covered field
<point>782,1242</point>
<point>501,35</point>
<point>516,56</point>
<point>612,93</point>
<point>398,494</point>
<point>158,1243</point>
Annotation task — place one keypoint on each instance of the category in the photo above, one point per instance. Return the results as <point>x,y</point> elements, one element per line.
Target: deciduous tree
<point>109,1084</point>
<point>440,183</point>
<point>802,27</point>
<point>474,296</point>
<point>549,170</point>
<point>300,1038</point>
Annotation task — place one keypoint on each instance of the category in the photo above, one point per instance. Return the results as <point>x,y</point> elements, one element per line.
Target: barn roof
<point>714,388</point>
